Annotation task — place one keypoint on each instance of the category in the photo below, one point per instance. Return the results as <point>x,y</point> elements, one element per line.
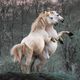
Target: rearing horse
<point>33,44</point>
<point>52,18</point>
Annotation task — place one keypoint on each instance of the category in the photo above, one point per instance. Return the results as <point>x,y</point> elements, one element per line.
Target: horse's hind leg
<point>32,64</point>
<point>26,67</point>
<point>42,62</point>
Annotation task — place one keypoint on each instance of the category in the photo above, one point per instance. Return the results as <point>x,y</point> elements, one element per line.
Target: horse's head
<point>46,18</point>
<point>53,17</point>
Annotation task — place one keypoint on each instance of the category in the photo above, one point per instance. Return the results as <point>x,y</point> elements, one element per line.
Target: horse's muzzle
<point>62,20</point>
<point>56,23</point>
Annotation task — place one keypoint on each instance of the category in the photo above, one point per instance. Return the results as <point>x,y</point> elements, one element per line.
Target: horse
<point>33,44</point>
<point>53,18</point>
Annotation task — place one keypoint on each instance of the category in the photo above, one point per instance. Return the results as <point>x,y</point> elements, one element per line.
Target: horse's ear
<point>46,13</point>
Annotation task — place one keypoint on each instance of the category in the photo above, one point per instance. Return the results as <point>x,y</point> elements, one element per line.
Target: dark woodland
<point>16,17</point>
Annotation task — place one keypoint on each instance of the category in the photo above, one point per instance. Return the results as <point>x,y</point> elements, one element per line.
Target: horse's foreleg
<point>62,32</point>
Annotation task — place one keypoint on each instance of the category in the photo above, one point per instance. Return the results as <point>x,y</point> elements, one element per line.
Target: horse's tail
<point>16,52</point>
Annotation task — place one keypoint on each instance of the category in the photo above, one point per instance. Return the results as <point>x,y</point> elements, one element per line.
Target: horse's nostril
<point>62,20</point>
<point>55,23</point>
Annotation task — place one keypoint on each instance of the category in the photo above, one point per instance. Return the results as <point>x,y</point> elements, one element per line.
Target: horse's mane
<point>39,23</point>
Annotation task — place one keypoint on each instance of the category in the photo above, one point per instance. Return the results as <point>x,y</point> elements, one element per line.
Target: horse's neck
<point>39,32</point>
<point>51,31</point>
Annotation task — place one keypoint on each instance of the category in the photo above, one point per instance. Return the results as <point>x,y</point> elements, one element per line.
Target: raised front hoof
<point>61,41</point>
<point>70,34</point>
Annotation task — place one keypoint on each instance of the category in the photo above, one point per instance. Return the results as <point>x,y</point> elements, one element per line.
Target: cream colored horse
<point>42,32</point>
<point>33,43</point>
<point>52,18</point>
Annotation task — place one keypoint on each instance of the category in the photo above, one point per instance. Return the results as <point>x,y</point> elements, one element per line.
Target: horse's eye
<point>51,17</point>
<point>57,14</point>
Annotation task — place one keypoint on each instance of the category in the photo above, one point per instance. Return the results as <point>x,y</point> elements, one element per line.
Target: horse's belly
<point>52,46</point>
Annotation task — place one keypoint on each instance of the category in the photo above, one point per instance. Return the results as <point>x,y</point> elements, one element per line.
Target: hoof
<point>70,34</point>
<point>61,41</point>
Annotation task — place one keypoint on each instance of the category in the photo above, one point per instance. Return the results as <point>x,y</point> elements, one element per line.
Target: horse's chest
<point>53,33</point>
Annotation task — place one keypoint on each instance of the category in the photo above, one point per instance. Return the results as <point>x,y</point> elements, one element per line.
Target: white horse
<point>42,32</point>
<point>56,18</point>
<point>50,48</point>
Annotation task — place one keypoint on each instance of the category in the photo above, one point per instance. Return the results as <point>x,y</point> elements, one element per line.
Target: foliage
<point>36,76</point>
<point>16,18</point>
